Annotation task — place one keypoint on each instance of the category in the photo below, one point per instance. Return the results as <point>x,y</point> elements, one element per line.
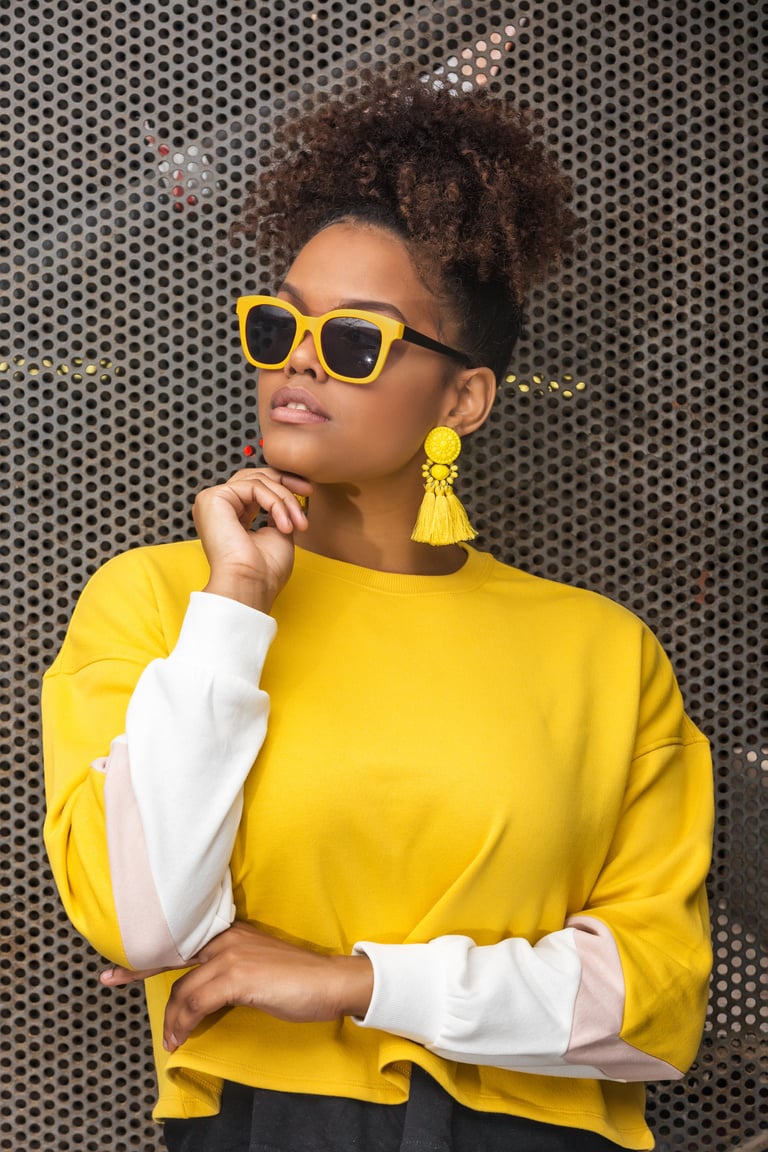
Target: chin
<point>290,458</point>
<point>285,461</point>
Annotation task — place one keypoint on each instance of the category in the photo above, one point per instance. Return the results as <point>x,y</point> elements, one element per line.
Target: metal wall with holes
<point>626,454</point>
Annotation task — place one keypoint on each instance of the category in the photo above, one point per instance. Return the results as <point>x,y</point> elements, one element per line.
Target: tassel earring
<point>441,519</point>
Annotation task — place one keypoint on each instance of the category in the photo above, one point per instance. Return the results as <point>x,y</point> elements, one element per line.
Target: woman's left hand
<point>244,966</point>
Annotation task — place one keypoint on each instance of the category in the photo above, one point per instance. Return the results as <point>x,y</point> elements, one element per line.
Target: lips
<point>297,406</point>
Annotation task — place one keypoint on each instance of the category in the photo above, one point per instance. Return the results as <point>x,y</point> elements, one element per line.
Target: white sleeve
<point>554,1008</point>
<point>174,781</point>
<point>618,992</point>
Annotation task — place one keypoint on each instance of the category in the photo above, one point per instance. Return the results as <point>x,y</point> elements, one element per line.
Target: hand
<point>244,966</point>
<point>251,566</point>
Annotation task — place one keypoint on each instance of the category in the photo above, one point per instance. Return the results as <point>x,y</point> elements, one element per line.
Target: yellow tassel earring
<point>441,519</point>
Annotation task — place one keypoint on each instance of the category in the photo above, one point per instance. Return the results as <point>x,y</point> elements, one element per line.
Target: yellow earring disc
<point>442,445</point>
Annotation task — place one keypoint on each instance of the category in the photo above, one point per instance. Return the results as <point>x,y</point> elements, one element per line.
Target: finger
<point>246,499</point>
<point>280,518</point>
<point>117,976</point>
<point>194,997</point>
<point>286,514</point>
<point>262,492</point>
<point>291,480</point>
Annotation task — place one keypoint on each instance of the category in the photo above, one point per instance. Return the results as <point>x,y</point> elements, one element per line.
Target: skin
<point>361,464</point>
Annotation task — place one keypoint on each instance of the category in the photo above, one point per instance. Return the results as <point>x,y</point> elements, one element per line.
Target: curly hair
<point>464,179</point>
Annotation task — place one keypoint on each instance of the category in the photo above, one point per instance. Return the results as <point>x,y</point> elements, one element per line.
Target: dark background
<point>627,452</point>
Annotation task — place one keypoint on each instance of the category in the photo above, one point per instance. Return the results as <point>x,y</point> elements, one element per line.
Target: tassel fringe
<point>442,518</point>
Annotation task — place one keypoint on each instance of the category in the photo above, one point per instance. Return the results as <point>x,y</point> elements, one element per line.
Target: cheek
<point>395,423</point>
<point>263,388</point>
<point>379,449</point>
<point>267,384</point>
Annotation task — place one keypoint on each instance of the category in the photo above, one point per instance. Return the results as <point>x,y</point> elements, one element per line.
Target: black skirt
<point>257,1120</point>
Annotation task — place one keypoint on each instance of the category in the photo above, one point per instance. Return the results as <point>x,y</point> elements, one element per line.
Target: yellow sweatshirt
<point>484,781</point>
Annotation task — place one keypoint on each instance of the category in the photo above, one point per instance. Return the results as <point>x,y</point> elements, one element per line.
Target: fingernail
<point>170,1043</point>
<point>107,974</point>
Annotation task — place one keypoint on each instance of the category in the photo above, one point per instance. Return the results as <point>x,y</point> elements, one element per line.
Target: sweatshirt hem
<point>638,1138</point>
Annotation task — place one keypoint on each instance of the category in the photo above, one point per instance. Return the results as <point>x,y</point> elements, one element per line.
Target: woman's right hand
<point>251,566</point>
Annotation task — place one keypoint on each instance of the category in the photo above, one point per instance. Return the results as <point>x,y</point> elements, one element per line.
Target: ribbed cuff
<point>409,985</point>
<point>225,635</point>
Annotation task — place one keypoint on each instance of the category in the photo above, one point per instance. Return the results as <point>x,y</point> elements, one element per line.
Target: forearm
<point>555,1008</point>
<point>509,1004</point>
<point>620,991</point>
<point>173,794</point>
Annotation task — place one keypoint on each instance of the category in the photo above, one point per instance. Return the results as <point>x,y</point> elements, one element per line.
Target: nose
<point>304,360</point>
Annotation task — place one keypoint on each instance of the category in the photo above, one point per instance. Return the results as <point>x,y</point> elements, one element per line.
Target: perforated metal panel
<point>627,453</point>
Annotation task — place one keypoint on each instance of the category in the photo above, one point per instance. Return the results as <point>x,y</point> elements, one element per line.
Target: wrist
<point>243,588</point>
<point>355,985</point>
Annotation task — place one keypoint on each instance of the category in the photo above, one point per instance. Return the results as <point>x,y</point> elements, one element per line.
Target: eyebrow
<point>362,305</point>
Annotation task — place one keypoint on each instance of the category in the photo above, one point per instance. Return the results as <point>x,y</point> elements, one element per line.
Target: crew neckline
<point>474,571</point>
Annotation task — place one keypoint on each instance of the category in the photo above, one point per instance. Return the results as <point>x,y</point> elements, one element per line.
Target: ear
<point>471,397</point>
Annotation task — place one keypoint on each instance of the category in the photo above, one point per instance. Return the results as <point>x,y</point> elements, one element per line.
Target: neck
<point>373,530</point>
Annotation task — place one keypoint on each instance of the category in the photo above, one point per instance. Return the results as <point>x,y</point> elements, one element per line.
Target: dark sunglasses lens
<point>351,346</point>
<point>269,333</point>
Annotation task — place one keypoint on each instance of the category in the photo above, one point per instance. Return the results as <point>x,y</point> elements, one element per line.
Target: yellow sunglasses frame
<point>390,329</point>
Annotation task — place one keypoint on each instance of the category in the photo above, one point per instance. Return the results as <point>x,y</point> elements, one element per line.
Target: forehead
<point>348,262</point>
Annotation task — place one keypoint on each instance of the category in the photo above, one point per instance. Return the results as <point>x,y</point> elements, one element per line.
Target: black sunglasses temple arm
<point>414,337</point>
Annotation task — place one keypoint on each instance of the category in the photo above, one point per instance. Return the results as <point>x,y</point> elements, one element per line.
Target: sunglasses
<point>351,345</point>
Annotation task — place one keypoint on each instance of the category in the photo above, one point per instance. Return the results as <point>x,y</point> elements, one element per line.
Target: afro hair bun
<point>464,177</point>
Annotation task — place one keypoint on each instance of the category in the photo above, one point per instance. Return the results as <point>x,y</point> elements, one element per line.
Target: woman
<point>424,902</point>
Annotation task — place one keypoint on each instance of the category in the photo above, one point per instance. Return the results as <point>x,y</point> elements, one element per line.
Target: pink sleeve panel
<point>598,1011</point>
<point>555,1008</point>
<point>145,933</point>
<point>174,782</point>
